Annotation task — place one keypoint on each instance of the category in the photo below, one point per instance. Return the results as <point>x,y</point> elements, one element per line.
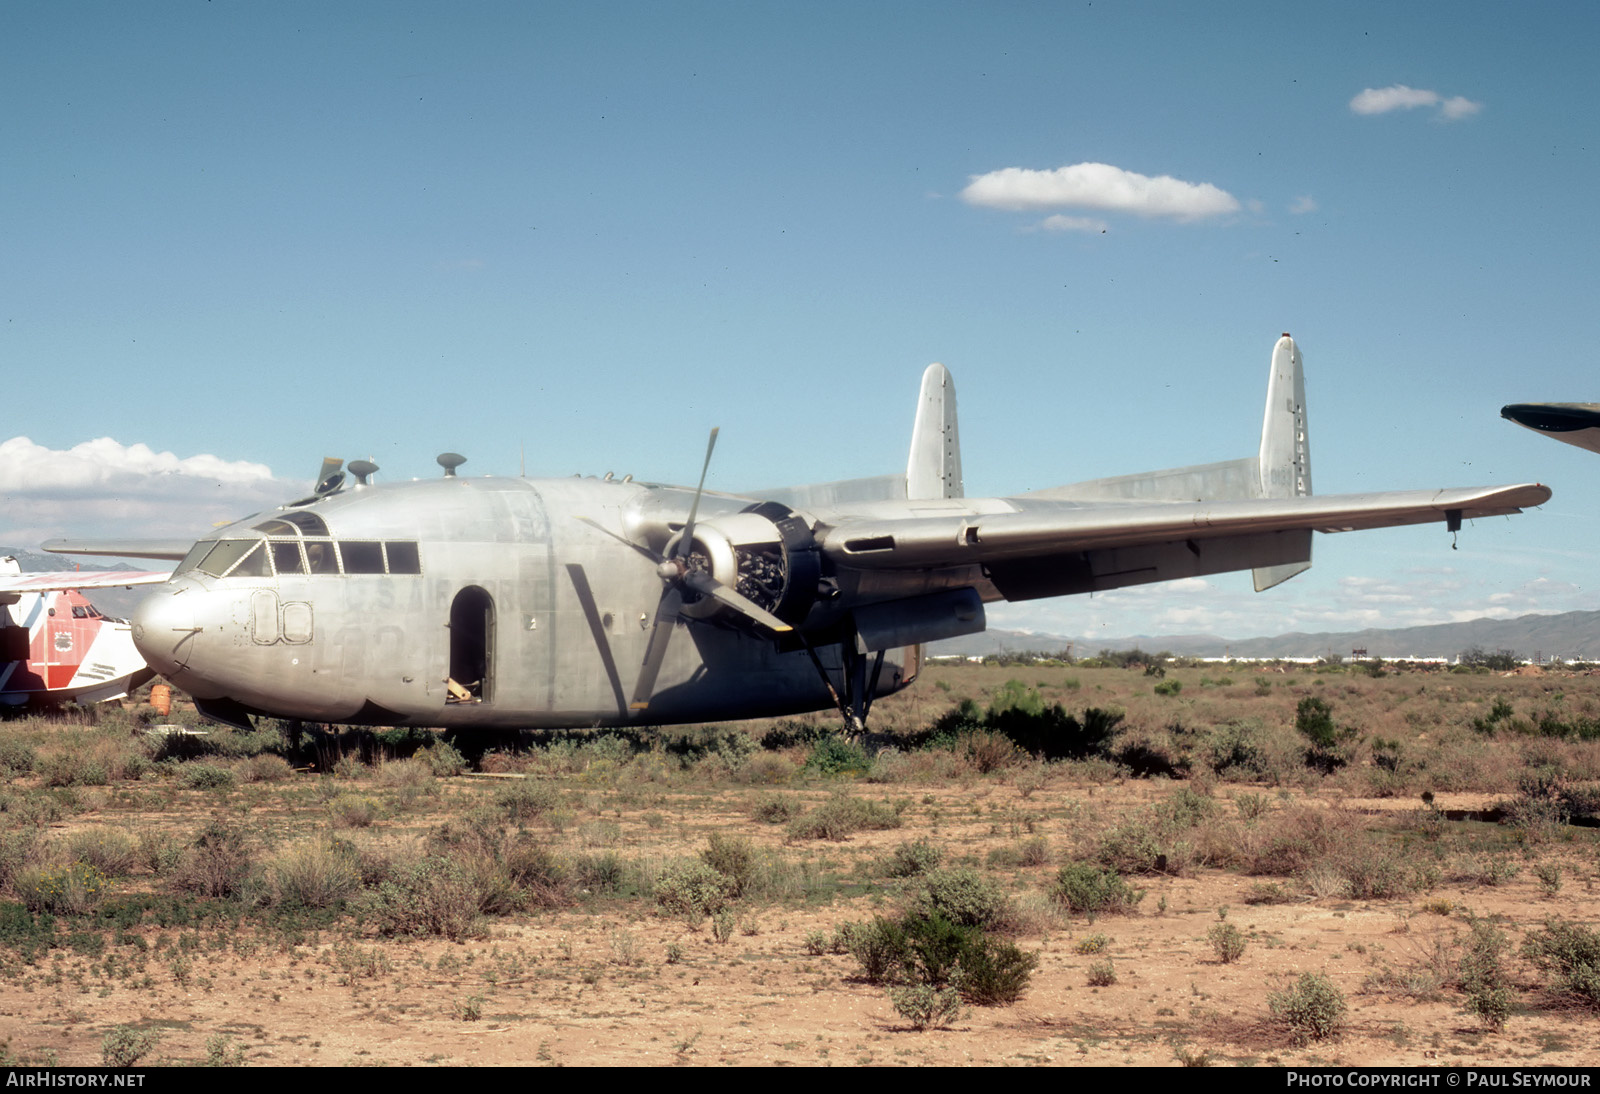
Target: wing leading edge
<point>1052,548</point>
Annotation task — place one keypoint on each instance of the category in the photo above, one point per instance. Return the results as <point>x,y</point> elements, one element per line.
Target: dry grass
<point>667,884</point>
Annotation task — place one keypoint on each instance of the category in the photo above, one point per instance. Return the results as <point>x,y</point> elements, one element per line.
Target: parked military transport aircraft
<point>1574,423</point>
<point>55,645</point>
<point>584,601</point>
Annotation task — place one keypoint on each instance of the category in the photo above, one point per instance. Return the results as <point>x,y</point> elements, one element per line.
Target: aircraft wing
<point>173,549</point>
<point>1574,423</point>
<point>58,580</point>
<point>1042,547</point>
<point>13,586</point>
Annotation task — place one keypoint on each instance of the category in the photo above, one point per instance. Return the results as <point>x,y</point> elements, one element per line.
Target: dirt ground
<point>619,983</point>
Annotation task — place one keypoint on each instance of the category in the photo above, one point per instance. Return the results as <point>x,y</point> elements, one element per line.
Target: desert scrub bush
<point>1102,974</point>
<point>993,971</point>
<point>527,800</point>
<point>442,759</point>
<point>1378,872</point>
<point>413,775</point>
<point>925,1006</point>
<point>1169,687</point>
<point>1268,892</point>
<point>1227,942</point>
<point>1092,890</point>
<point>833,756</point>
<point>840,816</point>
<point>879,947</point>
<point>73,889</point>
<point>1034,851</point>
<point>934,947</point>
<point>433,895</point>
<point>964,896</point>
<point>317,873</point>
<point>771,769</point>
<point>17,849</point>
<point>1483,976</point>
<point>17,757</point>
<point>217,863</point>
<point>693,890</point>
<point>604,874</point>
<point>776,808</point>
<point>734,857</point>
<point>111,851</point>
<point>1312,1010</point>
<point>354,810</point>
<point>265,767</point>
<point>199,776</point>
<point>1571,952</point>
<point>1143,845</point>
<point>74,768</point>
<point>988,751</point>
<point>1092,944</point>
<point>224,1051</point>
<point>543,878</point>
<point>125,1046</point>
<point>1297,838</point>
<point>913,858</point>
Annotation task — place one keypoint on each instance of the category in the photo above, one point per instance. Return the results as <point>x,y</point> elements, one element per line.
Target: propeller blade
<point>686,544</point>
<point>656,651</point>
<point>641,548</point>
<point>706,585</point>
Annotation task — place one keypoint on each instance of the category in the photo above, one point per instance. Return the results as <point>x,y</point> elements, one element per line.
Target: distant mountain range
<point>1570,636</point>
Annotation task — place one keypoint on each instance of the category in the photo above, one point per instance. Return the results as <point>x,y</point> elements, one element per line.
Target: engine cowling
<point>765,552</point>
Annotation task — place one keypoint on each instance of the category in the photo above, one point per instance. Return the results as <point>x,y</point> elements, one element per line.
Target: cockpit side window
<point>321,558</point>
<point>286,557</point>
<point>361,556</point>
<point>403,558</point>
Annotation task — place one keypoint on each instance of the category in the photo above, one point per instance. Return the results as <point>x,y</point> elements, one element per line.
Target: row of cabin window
<point>249,557</point>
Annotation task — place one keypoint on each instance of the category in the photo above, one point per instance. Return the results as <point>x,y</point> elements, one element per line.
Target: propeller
<point>677,577</point>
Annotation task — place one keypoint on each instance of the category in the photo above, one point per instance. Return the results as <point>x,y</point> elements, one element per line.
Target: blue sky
<point>245,236</point>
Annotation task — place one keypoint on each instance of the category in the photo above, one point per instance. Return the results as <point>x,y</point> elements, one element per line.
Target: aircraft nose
<point>164,630</point>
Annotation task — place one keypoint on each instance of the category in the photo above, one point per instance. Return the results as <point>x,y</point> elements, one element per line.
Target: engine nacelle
<point>766,553</point>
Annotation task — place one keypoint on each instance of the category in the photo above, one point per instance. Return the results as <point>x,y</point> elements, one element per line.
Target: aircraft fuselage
<point>459,601</point>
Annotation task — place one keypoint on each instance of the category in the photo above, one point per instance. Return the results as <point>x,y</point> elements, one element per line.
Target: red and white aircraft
<point>55,645</point>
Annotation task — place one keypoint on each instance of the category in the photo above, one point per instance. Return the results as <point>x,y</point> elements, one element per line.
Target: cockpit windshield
<point>286,554</point>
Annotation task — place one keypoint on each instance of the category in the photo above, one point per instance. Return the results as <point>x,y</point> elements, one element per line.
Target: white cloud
<point>1305,203</point>
<point>1382,100</point>
<point>1062,223</point>
<point>1098,186</point>
<point>103,488</point>
<point>1458,107</point>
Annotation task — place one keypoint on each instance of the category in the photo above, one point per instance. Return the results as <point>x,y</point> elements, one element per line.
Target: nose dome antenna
<point>450,461</point>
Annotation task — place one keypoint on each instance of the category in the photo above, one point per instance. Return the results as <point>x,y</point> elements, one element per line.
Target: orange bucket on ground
<point>161,699</point>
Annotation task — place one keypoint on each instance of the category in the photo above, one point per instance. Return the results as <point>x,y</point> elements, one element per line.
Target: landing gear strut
<point>859,674</point>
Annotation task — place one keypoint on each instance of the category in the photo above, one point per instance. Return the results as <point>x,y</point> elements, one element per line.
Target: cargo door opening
<point>471,647</point>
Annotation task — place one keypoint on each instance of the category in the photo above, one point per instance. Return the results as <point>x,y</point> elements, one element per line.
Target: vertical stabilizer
<point>934,470</point>
<point>1285,460</point>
